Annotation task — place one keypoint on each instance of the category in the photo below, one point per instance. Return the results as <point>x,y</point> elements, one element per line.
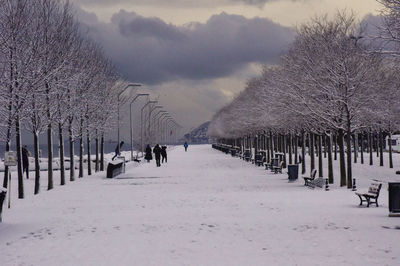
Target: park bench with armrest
<point>310,178</point>
<point>372,194</point>
<point>278,169</point>
<point>259,159</point>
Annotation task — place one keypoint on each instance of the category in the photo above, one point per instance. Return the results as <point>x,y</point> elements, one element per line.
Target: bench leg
<point>368,201</point>
<point>361,200</point>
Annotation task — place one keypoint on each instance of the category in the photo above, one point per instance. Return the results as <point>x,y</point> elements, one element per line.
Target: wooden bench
<point>372,194</point>
<point>247,156</point>
<point>317,182</point>
<point>307,180</point>
<point>278,169</point>
<point>259,159</point>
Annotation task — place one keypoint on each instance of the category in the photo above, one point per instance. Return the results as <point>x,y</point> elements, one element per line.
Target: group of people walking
<point>160,154</point>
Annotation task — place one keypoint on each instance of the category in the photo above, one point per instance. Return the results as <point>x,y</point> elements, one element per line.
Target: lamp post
<point>151,111</point>
<point>130,118</point>
<point>155,124</point>
<point>159,130</point>
<point>141,121</point>
<point>119,95</point>
<point>166,128</point>
<point>163,127</point>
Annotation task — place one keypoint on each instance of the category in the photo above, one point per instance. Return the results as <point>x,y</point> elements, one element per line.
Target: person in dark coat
<point>148,155</point>
<point>118,150</point>
<point>186,146</point>
<point>25,160</point>
<point>163,153</point>
<point>157,153</point>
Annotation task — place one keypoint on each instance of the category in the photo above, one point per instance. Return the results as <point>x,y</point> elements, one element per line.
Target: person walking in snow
<point>25,161</point>
<point>118,150</point>
<point>163,154</point>
<point>157,153</point>
<point>186,146</point>
<point>148,155</point>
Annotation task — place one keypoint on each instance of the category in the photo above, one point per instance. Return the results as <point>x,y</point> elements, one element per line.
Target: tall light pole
<point>163,127</point>
<point>119,95</point>
<point>159,130</point>
<point>155,125</point>
<point>141,121</point>
<point>166,129</point>
<point>151,111</point>
<point>130,118</point>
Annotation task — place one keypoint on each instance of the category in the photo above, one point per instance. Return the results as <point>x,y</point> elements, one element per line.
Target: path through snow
<point>202,208</point>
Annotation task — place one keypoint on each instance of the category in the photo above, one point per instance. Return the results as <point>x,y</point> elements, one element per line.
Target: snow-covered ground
<point>202,208</point>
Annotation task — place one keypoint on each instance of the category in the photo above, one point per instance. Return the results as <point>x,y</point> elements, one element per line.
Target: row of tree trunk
<point>321,146</point>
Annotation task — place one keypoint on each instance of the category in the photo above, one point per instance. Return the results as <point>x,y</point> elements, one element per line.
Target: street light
<point>155,124</point>
<point>151,111</point>
<point>130,118</point>
<point>141,121</point>
<point>162,127</point>
<point>165,128</point>
<point>119,94</point>
<point>159,130</point>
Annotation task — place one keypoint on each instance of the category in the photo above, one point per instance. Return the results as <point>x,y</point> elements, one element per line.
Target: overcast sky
<point>195,55</point>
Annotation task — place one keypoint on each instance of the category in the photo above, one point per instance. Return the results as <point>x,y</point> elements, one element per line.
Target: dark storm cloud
<point>178,3</point>
<point>151,51</point>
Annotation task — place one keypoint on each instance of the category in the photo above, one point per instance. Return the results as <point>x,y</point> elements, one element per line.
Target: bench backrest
<point>259,157</point>
<point>375,188</point>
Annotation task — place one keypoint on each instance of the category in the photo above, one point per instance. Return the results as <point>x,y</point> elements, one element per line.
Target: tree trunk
<point>381,147</point>
<point>37,162</point>
<point>371,162</point>
<point>377,144</point>
<point>89,159</point>
<point>19,158</point>
<point>341,158</point>
<point>284,151</point>
<point>50,182</point>
<point>290,149</point>
<point>324,144</point>
<point>96,167</point>
<point>6,168</point>
<point>390,151</point>
<point>102,153</point>
<point>355,146</point>
<point>271,139</point>
<point>62,159</point>
<point>335,144</point>
<point>362,148</point>
<point>303,153</point>
<point>312,154</point>
<point>349,168</point>
<point>330,162</point>
<point>80,155</point>
<point>296,155</point>
<point>71,154</point>
<point>320,166</point>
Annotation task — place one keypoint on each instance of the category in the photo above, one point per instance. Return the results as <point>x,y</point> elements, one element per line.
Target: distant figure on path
<point>148,155</point>
<point>164,153</point>
<point>118,150</point>
<point>157,153</point>
<point>25,161</point>
<point>186,146</point>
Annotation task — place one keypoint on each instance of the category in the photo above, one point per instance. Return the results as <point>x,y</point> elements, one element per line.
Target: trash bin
<point>293,172</point>
<point>3,193</point>
<point>394,199</point>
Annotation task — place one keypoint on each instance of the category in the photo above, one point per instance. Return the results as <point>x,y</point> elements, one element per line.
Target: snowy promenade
<point>202,208</point>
